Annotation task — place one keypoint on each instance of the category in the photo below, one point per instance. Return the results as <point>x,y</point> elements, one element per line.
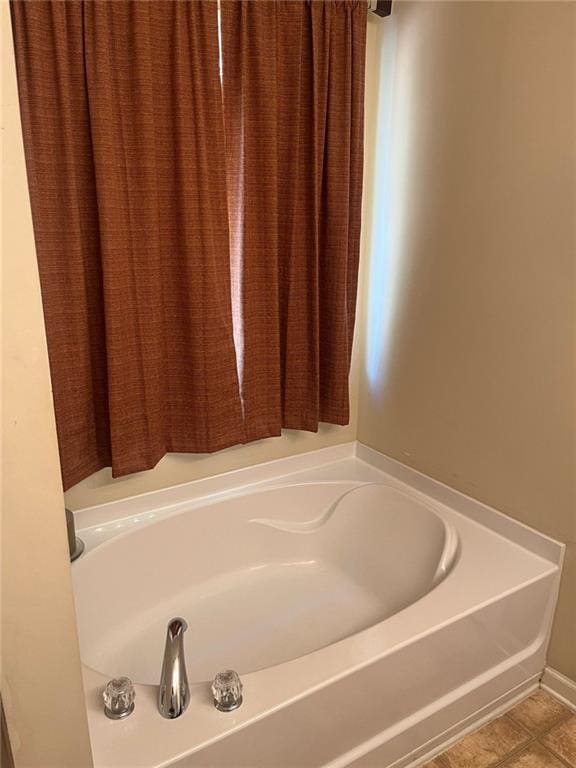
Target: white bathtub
<point>368,618</point>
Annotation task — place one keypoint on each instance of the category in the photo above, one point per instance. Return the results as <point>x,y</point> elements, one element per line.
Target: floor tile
<point>487,746</point>
<point>436,763</point>
<point>561,739</point>
<point>534,756</point>
<point>538,712</point>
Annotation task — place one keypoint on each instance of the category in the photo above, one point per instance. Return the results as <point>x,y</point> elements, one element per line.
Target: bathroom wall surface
<point>42,692</point>
<point>469,348</point>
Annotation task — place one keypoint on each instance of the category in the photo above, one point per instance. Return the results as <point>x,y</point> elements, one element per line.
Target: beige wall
<point>41,678</point>
<point>469,309</point>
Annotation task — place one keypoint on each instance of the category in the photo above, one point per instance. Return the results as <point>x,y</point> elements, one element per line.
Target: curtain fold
<point>122,119</point>
<point>197,229</point>
<point>293,85</point>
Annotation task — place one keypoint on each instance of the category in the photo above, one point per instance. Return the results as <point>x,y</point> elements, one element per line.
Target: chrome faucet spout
<point>174,692</point>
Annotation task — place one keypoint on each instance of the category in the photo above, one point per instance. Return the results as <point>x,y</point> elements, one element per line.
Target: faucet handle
<point>119,698</point>
<point>227,691</point>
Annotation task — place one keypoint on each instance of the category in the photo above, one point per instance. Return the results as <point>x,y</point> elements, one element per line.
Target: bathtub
<point>371,613</point>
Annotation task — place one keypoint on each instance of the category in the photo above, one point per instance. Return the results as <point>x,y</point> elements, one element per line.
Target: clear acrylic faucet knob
<point>227,691</point>
<point>118,698</point>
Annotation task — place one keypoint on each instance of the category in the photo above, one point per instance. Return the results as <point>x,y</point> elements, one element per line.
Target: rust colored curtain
<point>197,235</point>
<point>122,118</point>
<point>293,83</point>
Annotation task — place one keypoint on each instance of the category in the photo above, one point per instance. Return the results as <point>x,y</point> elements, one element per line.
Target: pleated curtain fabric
<point>196,211</point>
<point>124,136</point>
<point>293,83</point>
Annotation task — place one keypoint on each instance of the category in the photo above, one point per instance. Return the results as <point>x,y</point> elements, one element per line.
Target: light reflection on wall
<point>387,217</point>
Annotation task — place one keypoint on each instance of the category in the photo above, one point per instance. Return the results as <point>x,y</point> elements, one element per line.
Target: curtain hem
<point>130,469</point>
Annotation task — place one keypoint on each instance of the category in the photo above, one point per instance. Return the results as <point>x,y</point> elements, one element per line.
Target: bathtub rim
<point>270,474</point>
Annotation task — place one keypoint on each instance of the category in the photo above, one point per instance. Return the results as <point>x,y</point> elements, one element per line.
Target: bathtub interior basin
<point>260,579</point>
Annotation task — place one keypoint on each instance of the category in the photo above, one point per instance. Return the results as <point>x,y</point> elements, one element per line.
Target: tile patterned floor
<point>539,732</point>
